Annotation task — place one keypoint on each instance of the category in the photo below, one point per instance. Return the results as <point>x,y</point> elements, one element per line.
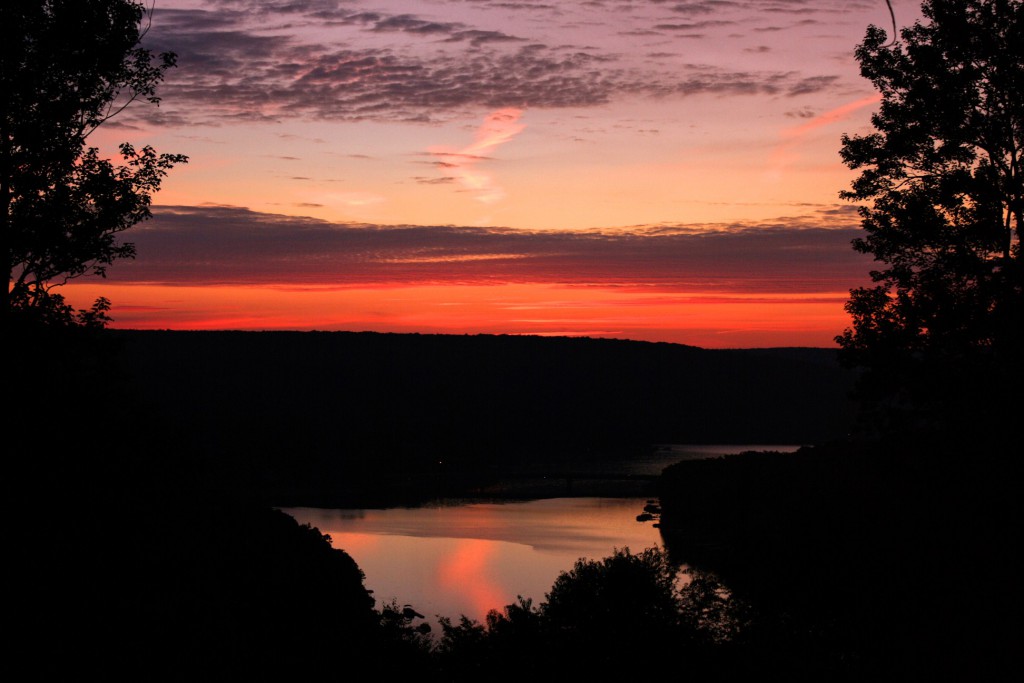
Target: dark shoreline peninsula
<point>330,417</point>
<point>872,560</point>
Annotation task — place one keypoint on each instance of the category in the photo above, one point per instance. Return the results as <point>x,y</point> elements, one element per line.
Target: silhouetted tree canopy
<point>66,67</point>
<point>602,619</point>
<point>941,179</point>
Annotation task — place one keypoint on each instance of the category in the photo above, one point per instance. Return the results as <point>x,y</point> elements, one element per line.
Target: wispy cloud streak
<point>836,115</point>
<point>791,139</point>
<point>498,128</point>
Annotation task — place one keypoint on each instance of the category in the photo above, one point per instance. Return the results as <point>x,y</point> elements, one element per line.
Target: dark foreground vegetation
<point>143,533</point>
<point>884,560</point>
<point>144,540</point>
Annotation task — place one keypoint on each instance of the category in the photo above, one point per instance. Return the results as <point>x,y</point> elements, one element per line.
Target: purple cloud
<point>232,245</point>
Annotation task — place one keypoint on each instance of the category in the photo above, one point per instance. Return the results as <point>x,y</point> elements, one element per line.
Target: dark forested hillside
<point>319,409</point>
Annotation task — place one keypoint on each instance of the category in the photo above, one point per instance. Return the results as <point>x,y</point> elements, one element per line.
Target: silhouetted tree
<point>602,619</point>
<point>66,67</point>
<point>942,180</point>
<point>612,603</point>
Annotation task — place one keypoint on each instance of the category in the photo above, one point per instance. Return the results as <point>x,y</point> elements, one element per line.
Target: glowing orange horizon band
<point>708,319</point>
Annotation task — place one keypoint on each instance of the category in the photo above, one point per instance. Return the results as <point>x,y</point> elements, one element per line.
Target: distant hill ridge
<point>320,404</point>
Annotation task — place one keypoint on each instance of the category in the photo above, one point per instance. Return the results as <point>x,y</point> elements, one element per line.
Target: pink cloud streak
<point>832,116</point>
<point>792,138</point>
<point>499,127</point>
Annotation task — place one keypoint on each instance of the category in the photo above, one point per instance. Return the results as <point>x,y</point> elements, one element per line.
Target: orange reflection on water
<point>353,542</point>
<point>453,560</point>
<point>467,570</point>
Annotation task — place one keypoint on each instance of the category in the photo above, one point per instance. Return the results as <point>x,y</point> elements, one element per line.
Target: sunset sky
<point>647,169</point>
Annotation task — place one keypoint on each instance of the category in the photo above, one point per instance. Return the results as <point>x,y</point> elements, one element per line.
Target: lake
<point>468,558</point>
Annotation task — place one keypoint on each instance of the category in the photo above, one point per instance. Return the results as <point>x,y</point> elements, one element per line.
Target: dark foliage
<point>66,67</point>
<point>602,619</point>
<point>190,592</point>
<point>940,331</point>
<point>891,558</point>
<point>860,563</point>
<point>129,558</point>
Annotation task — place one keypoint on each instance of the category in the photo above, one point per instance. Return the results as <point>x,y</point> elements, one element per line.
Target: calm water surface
<point>468,559</point>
